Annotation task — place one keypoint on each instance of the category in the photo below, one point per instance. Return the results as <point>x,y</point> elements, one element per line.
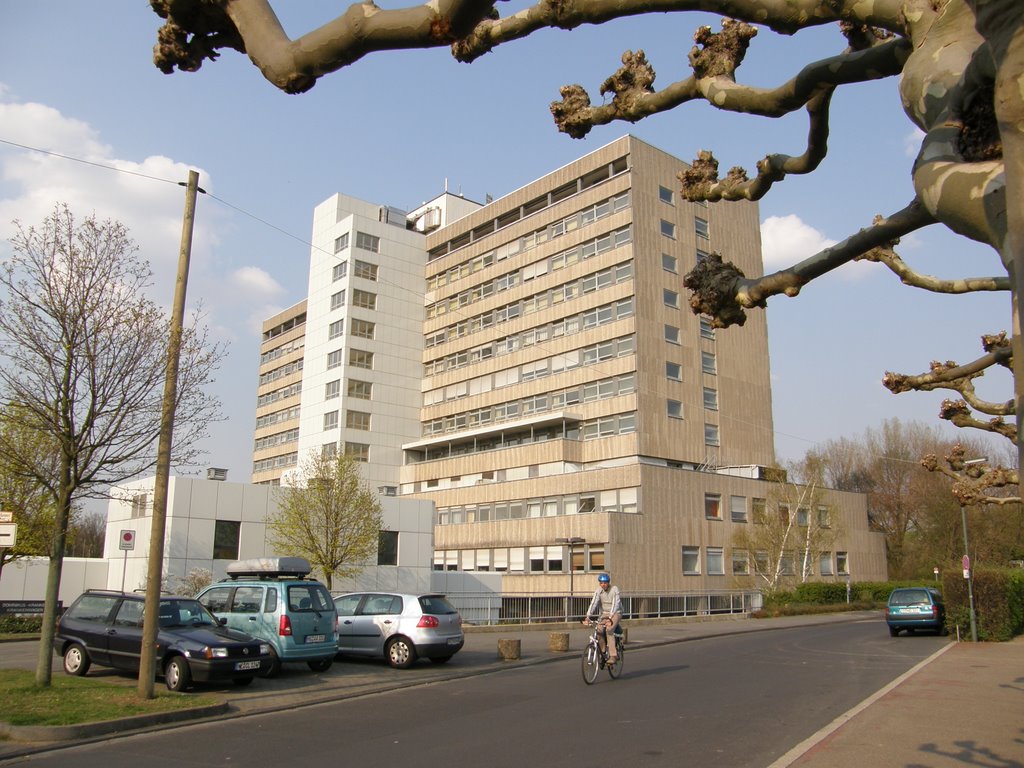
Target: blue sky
<point>396,127</point>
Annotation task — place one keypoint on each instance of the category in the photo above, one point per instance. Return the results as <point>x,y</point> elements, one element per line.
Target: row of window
<point>284,327</point>
<point>530,304</point>
<point>276,462</point>
<point>621,500</point>
<point>548,366</point>
<point>700,228</point>
<point>360,268</point>
<point>286,348</point>
<point>278,438</point>
<point>605,426</point>
<point>758,511</point>
<point>357,358</point>
<point>529,406</point>
<point>564,327</point>
<point>286,414</point>
<point>588,180</point>
<point>360,298</point>
<point>363,329</point>
<point>292,390</point>
<point>742,564</point>
<point>482,291</point>
<point>362,390</point>
<point>363,240</point>
<point>545,559</point>
<point>353,420</point>
<point>557,229</point>
<point>280,372</point>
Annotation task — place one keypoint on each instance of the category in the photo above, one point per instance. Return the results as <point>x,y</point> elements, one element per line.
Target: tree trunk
<point>52,594</point>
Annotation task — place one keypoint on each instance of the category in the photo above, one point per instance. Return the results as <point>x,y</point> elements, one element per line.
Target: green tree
<point>83,353</point>
<point>22,494</point>
<point>333,519</point>
<point>959,64</point>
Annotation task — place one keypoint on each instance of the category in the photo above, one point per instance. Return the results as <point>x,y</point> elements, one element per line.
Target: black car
<point>105,628</point>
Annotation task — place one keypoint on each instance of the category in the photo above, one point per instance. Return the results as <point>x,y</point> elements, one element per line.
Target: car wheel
<point>943,630</point>
<point>273,667</point>
<point>241,682</point>
<point>321,665</point>
<point>440,659</point>
<point>400,653</point>
<point>76,660</point>
<point>177,674</point>
<point>893,632</point>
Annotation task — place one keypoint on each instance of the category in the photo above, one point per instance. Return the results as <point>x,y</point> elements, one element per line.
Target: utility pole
<point>154,570</point>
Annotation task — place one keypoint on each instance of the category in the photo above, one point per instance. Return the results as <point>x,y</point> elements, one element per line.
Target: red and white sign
<point>127,540</point>
<point>967,567</point>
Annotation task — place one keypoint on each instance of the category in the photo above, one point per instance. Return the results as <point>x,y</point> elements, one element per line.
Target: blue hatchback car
<point>913,608</point>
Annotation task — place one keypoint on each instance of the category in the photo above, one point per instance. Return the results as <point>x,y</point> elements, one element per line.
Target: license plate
<point>453,641</point>
<point>247,665</point>
<point>315,638</point>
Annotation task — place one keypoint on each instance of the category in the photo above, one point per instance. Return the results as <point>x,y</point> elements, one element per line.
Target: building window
<point>668,229</point>
<point>824,517</point>
<point>363,329</point>
<point>671,298</point>
<point>706,329</point>
<point>670,263</point>
<point>738,509</point>
<point>365,270</point>
<point>803,516</point>
<point>332,389</point>
<point>787,566</point>
<point>671,334</point>
<point>673,371</point>
<point>338,299</point>
<point>825,564</point>
<point>331,420</point>
<point>225,539</point>
<point>783,514</point>
<point>335,358</point>
<point>340,270</point>
<point>357,420</point>
<point>140,504</point>
<point>358,451</point>
<point>359,358</point>
<point>329,450</point>
<point>360,389</point>
<point>700,226</point>
<point>713,506</point>
<point>711,399</point>
<point>707,362</point>
<point>691,561</point>
<point>340,244</point>
<point>701,255</point>
<point>666,195</point>
<point>387,548</point>
<point>842,564</point>
<point>716,561</point>
<point>367,242</point>
<point>758,508</point>
<point>364,299</point>
<point>711,434</point>
<point>740,562</point>
<point>675,409</point>
<point>336,329</point>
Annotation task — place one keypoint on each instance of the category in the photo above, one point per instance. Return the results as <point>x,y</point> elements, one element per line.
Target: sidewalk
<point>964,705</point>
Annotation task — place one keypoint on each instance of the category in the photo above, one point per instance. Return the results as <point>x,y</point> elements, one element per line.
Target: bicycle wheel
<point>616,669</point>
<point>591,664</point>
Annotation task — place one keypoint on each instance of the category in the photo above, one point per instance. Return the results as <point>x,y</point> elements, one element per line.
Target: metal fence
<point>489,608</point>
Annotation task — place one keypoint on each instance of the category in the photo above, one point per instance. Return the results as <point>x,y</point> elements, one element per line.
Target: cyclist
<point>606,608</point>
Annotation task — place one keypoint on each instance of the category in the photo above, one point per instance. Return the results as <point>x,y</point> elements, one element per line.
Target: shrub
<point>18,625</point>
<point>998,602</point>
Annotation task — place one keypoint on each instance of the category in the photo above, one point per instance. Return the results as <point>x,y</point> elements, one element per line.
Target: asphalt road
<point>729,702</point>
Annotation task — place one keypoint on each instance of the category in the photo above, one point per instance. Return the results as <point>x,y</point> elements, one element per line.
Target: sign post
<point>126,543</point>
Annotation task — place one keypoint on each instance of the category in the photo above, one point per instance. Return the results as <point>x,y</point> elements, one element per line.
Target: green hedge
<point>17,625</point>
<point>998,603</point>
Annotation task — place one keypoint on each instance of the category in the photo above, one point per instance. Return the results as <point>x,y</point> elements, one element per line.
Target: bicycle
<point>594,660</point>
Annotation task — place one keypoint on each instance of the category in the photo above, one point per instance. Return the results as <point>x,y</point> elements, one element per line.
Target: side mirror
<point>222,621</point>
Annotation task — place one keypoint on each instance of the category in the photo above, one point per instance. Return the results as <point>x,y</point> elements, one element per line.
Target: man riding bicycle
<point>606,608</point>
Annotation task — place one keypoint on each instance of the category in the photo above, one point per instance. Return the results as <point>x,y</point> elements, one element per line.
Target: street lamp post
<point>968,574</point>
<point>571,541</point>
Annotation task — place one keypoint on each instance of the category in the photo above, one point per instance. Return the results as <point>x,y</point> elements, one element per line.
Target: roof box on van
<point>269,568</point>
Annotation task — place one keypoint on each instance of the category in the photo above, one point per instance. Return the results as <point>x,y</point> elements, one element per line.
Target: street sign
<point>967,567</point>
<point>6,516</point>
<point>127,540</point>
<point>8,534</point>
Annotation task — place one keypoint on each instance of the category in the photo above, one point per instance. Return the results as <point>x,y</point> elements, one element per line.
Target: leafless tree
<point>82,353</point>
<point>959,64</point>
<point>86,534</point>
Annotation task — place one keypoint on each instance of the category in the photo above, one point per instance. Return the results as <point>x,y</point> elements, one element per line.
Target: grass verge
<point>72,700</point>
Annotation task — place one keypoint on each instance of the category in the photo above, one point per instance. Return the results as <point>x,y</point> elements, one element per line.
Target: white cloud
<point>785,240</point>
<point>254,284</point>
<point>912,142</point>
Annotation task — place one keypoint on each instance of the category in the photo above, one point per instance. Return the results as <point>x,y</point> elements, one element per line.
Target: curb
<point>56,733</point>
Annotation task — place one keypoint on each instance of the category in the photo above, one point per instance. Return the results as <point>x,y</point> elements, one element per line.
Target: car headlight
<point>215,653</point>
<point>264,649</point>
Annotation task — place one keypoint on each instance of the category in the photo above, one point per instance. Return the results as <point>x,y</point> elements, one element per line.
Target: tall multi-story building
<point>543,382</point>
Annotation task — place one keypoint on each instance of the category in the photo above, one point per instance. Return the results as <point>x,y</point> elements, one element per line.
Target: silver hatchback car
<point>398,627</point>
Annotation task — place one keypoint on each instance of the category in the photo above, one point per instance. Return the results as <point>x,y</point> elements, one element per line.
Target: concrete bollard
<point>558,641</point>
<point>509,648</point>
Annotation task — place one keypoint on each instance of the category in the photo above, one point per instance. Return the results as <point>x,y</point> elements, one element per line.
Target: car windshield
<point>185,613</point>
<point>436,605</point>
<point>909,597</point>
